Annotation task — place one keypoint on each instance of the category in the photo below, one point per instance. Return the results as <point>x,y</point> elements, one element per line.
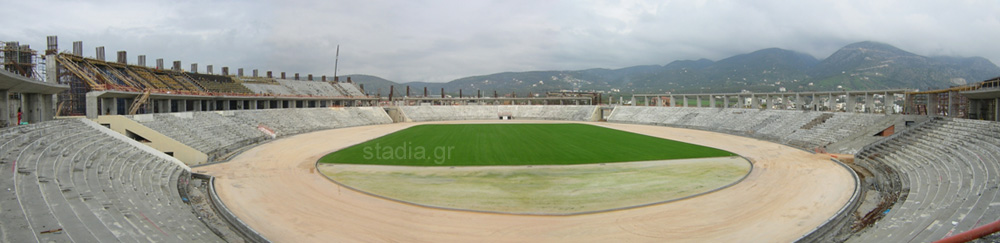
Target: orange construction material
<point>972,234</point>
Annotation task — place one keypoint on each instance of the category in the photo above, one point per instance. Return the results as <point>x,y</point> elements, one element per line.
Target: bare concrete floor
<point>276,189</point>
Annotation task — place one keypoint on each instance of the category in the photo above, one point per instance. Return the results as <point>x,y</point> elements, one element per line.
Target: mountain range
<point>858,66</point>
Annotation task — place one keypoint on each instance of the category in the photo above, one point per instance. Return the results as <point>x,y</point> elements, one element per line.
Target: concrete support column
<point>226,105</point>
<point>253,104</point>
<point>48,107</point>
<point>673,102</point>
<point>37,108</point>
<point>754,103</point>
<point>887,103</point>
<point>831,102</point>
<point>645,100</point>
<point>851,103</point>
<point>697,100</point>
<point>109,106</point>
<point>92,109</point>
<point>800,102</point>
<point>167,106</point>
<point>996,109</point>
<point>196,105</point>
<point>932,104</point>
<point>952,104</point>
<point>633,101</point>
<point>869,103</point>
<point>814,103</point>
<point>5,110</point>
<point>182,105</point>
<point>769,101</point>
<point>685,100</point>
<point>725,101</point>
<point>711,101</point>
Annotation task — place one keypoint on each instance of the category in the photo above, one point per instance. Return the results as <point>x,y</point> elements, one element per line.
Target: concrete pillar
<point>38,107</point>
<point>633,101</point>
<point>886,103</point>
<point>109,106</point>
<point>182,105</point>
<point>754,103</point>
<point>167,106</point>
<point>253,104</point>
<point>711,101</point>
<point>293,104</point>
<point>851,102</point>
<point>815,102</point>
<point>932,104</point>
<point>952,104</point>
<point>196,105</point>
<point>769,102</point>
<point>226,105</point>
<point>645,100</point>
<point>685,97</point>
<point>869,103</point>
<point>92,109</point>
<point>48,107</point>
<point>800,102</point>
<point>5,110</point>
<point>725,101</point>
<point>996,109</point>
<point>830,102</point>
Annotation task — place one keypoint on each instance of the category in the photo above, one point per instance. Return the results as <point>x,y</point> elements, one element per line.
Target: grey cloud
<point>441,40</point>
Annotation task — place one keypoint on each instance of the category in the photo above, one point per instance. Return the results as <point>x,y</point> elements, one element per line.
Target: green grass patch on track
<point>514,144</point>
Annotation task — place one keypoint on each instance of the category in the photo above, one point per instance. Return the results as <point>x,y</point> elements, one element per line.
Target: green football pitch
<point>514,144</point>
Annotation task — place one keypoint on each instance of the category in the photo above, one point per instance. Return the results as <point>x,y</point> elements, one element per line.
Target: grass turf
<point>514,144</point>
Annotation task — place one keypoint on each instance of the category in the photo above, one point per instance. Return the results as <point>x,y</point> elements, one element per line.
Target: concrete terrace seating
<point>208,132</point>
<point>491,112</point>
<point>219,133</point>
<point>351,89</point>
<point>950,170</point>
<point>74,180</point>
<point>304,88</point>
<point>782,126</point>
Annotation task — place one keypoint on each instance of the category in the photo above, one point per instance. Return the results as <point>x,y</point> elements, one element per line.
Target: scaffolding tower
<point>19,59</point>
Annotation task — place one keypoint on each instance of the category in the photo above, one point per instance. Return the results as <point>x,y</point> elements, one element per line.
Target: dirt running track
<point>276,190</point>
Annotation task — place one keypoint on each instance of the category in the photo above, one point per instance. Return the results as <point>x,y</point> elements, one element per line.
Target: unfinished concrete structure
<point>98,87</point>
<point>870,101</point>
<point>22,89</point>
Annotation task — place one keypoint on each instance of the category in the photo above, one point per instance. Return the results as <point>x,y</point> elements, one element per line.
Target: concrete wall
<point>158,141</point>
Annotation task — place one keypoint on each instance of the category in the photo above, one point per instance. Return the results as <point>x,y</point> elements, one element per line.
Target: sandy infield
<point>276,189</point>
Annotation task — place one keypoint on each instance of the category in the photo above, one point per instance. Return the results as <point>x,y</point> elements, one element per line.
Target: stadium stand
<point>219,133</point>
<point>295,88</point>
<point>490,112</point>
<point>350,89</point>
<point>74,180</point>
<point>949,173</point>
<point>800,129</point>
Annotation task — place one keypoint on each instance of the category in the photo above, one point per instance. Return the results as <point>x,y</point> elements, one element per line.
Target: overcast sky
<point>438,41</point>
